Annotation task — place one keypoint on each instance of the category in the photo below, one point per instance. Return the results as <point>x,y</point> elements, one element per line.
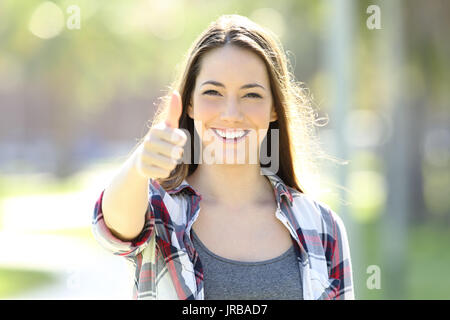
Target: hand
<point>162,148</point>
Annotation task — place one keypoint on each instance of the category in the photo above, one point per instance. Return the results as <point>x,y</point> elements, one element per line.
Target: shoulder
<point>312,213</point>
<point>318,221</point>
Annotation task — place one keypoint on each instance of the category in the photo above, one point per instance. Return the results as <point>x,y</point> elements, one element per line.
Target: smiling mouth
<point>230,136</point>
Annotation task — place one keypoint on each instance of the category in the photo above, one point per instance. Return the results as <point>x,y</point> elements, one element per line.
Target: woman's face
<point>232,105</point>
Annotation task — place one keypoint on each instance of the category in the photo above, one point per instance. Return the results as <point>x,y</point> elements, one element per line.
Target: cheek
<point>205,110</point>
<point>258,113</point>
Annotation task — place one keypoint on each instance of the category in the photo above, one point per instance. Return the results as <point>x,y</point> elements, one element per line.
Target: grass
<point>13,281</point>
<point>14,185</point>
<point>429,259</point>
<point>22,185</point>
<point>426,263</point>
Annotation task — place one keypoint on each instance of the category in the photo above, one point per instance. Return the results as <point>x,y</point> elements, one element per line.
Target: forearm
<point>125,201</point>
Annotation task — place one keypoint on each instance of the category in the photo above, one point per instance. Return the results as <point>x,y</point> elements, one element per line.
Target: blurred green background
<point>75,99</point>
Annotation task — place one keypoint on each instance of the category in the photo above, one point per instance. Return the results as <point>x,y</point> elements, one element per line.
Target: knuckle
<point>146,157</point>
<point>149,144</point>
<point>175,153</point>
<point>180,137</point>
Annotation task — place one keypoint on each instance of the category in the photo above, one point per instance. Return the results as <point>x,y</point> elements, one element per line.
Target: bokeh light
<point>47,20</point>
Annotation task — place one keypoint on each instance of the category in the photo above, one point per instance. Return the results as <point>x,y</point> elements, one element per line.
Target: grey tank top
<point>274,279</point>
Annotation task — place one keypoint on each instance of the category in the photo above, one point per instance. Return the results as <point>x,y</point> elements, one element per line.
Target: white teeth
<point>230,134</point>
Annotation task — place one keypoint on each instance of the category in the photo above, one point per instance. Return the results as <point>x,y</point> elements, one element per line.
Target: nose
<point>232,112</point>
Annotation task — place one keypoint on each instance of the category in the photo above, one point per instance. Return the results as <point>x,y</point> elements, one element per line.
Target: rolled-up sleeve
<point>117,246</point>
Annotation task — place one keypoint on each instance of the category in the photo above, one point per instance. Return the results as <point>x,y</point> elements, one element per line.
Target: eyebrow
<point>245,86</point>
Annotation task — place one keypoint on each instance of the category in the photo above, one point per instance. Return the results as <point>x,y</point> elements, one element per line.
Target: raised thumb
<point>175,110</point>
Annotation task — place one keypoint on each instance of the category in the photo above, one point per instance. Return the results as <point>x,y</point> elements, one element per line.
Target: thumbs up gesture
<point>162,149</point>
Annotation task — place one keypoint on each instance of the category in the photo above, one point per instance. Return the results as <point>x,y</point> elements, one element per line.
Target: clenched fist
<point>162,148</point>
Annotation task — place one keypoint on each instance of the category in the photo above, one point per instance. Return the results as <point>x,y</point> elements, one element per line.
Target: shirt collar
<point>278,185</point>
<point>185,185</point>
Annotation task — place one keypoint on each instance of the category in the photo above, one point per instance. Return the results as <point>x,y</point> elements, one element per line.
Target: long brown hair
<point>296,118</point>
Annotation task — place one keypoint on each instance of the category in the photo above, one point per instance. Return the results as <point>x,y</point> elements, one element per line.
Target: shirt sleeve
<point>341,266</point>
<point>117,246</point>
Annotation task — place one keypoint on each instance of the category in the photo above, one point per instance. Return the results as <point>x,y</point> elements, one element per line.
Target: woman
<point>213,226</point>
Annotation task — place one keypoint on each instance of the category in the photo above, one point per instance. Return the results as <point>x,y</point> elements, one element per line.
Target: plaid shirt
<point>167,265</point>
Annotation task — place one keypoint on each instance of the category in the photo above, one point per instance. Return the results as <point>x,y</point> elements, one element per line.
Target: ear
<point>273,114</point>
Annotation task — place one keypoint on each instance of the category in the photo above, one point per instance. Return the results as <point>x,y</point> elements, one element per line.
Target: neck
<point>231,184</point>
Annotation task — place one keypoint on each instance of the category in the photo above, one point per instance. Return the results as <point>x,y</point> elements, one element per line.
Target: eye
<point>212,92</point>
<point>253,95</point>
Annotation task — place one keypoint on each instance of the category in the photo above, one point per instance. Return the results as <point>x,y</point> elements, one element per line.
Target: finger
<point>164,148</point>
<point>175,109</point>
<point>174,136</point>
<point>159,160</point>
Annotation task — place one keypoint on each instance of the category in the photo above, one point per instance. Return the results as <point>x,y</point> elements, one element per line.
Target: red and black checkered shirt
<point>167,265</point>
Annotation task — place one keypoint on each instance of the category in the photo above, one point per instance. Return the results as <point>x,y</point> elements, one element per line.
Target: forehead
<point>231,64</point>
